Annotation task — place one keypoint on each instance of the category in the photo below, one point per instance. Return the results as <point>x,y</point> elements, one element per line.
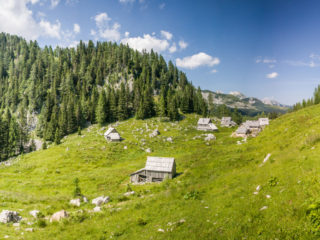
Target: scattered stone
<point>160,230</point>
<point>34,213</point>
<point>182,221</point>
<point>255,193</point>
<point>210,137</point>
<point>16,224</point>
<point>265,159</point>
<point>58,216</point>
<point>239,143</point>
<point>258,188</point>
<point>154,133</point>
<point>263,208</point>
<point>84,199</point>
<point>7,216</point>
<point>268,196</point>
<point>67,149</point>
<point>100,200</point>
<point>148,150</point>
<point>29,229</point>
<point>165,130</point>
<point>6,236</point>
<point>169,139</point>
<point>125,147</point>
<point>97,209</point>
<point>129,193</point>
<point>75,202</point>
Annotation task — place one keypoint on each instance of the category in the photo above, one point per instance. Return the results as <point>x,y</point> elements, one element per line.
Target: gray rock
<point>56,217</point>
<point>97,209</point>
<point>34,213</point>
<point>127,194</point>
<point>209,137</point>
<point>148,150</point>
<point>169,139</point>
<point>7,216</point>
<point>75,202</point>
<point>100,200</point>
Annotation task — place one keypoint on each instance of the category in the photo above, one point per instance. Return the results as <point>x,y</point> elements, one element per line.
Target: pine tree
<point>101,111</point>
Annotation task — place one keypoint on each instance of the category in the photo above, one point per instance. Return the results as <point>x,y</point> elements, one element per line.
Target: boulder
<point>169,139</point>
<point>154,133</point>
<point>29,229</point>
<point>84,199</point>
<point>34,213</point>
<point>100,200</point>
<point>7,216</point>
<point>97,209</point>
<point>75,202</point>
<point>209,137</point>
<point>58,216</point>
<point>148,150</point>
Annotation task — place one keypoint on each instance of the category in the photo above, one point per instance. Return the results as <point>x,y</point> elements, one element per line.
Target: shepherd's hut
<point>156,170</point>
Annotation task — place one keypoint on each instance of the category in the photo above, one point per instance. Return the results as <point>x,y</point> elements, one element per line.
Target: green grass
<point>213,193</point>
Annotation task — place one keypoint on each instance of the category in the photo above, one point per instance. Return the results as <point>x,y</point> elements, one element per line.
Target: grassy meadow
<point>214,196</point>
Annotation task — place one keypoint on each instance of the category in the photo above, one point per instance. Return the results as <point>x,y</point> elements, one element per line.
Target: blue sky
<point>260,48</point>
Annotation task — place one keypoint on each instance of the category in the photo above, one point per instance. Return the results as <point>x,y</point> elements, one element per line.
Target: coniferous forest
<point>67,88</point>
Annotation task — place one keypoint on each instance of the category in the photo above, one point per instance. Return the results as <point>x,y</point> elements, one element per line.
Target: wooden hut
<point>112,135</point>
<point>263,122</point>
<point>205,124</point>
<point>156,170</point>
<point>227,122</point>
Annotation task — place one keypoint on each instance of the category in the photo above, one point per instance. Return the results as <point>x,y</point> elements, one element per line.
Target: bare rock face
<point>58,216</point>
<point>100,200</point>
<point>7,216</point>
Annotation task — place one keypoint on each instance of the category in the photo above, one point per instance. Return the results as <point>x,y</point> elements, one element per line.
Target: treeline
<point>92,83</point>
<point>309,102</point>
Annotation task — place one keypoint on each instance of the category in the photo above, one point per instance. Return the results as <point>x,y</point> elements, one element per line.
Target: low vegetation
<point>214,196</point>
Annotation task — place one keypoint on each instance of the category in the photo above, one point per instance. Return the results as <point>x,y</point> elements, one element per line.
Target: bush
<point>77,190</point>
<point>193,195</point>
<point>141,222</point>
<point>273,181</point>
<point>41,223</point>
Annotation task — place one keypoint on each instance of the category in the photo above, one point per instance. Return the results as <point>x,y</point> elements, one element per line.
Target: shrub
<point>41,223</point>
<point>141,222</point>
<point>193,195</point>
<point>273,181</point>
<point>77,190</point>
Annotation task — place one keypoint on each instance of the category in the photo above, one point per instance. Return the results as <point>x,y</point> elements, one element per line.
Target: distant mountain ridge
<point>247,105</point>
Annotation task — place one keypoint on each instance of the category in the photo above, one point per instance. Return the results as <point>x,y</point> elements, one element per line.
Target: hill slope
<point>247,105</point>
<point>212,198</point>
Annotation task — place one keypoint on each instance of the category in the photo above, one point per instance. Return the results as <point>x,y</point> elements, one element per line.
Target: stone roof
<point>160,164</point>
<point>204,121</point>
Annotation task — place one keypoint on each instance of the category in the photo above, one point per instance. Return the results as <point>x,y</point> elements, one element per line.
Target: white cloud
<point>76,28</point>
<point>214,71</point>
<point>173,48</point>
<point>183,44</point>
<point>126,34</point>
<point>166,34</point>
<point>51,30</point>
<point>272,75</point>
<point>147,42</point>
<point>197,60</point>
<point>105,30</point>
<point>266,60</point>
<point>54,3</point>
<point>17,18</point>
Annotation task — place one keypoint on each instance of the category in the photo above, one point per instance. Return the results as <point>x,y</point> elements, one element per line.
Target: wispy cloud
<point>272,75</point>
<point>105,29</point>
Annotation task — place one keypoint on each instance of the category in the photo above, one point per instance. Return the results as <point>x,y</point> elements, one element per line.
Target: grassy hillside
<point>212,198</point>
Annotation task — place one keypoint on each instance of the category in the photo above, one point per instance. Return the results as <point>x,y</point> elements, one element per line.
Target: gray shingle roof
<point>204,121</point>
<point>110,130</point>
<point>160,164</point>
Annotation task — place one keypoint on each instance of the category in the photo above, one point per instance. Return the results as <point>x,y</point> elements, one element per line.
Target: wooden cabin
<point>205,124</point>
<point>263,122</point>
<point>227,122</point>
<point>156,170</point>
<point>112,135</point>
